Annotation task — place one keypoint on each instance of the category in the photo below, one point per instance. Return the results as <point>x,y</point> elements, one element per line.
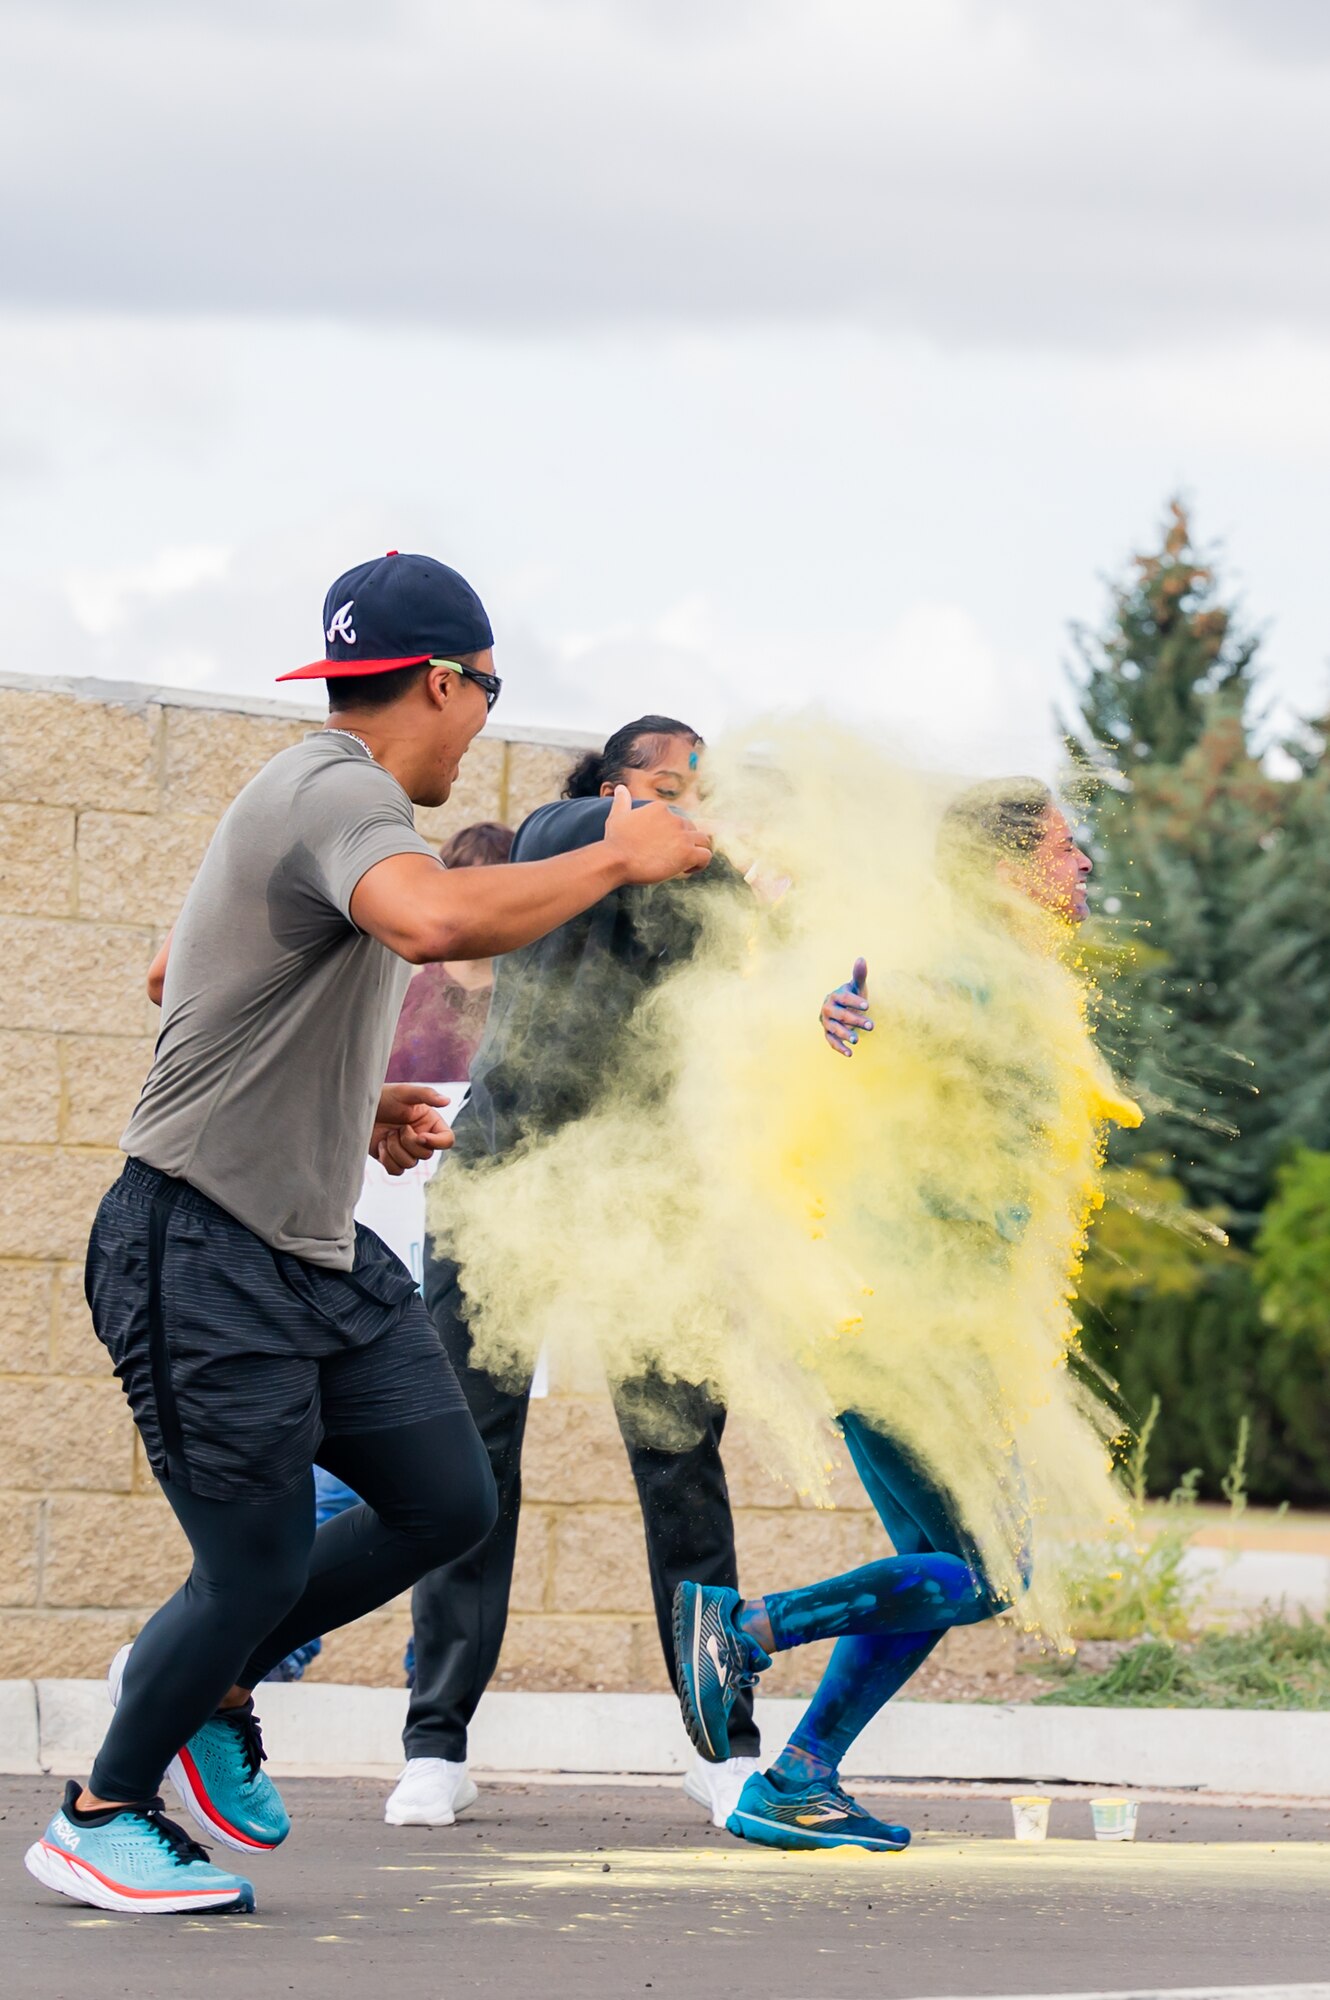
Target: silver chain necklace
<point>328,730</point>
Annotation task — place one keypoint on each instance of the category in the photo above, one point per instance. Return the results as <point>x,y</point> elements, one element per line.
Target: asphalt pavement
<point>578,1890</point>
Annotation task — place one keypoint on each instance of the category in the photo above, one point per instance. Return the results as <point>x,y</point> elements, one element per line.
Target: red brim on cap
<point>332,670</point>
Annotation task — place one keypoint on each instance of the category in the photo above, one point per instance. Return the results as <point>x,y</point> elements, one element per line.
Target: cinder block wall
<point>108,795</point>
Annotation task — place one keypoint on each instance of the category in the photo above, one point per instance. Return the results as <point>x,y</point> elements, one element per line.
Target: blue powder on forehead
<point>692,760</point>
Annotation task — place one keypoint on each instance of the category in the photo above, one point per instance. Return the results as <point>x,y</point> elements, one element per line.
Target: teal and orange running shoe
<point>713,1659</point>
<point>131,1858</point>
<point>813,1816</point>
<point>220,1777</point>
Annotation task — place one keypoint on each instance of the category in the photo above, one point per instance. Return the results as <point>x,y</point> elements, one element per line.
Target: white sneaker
<point>717,1786</point>
<point>115,1674</point>
<point>430,1792</point>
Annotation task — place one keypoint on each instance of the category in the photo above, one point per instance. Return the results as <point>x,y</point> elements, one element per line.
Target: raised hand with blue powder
<point>845,1012</point>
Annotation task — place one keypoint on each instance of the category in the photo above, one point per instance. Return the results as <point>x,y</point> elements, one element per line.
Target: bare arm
<point>425,912</point>
<point>157,971</point>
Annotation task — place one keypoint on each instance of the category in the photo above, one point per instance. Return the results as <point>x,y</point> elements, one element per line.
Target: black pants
<point>460,1610</point>
<point>263,1581</point>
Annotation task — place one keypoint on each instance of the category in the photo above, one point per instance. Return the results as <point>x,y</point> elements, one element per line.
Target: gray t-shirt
<point>278,1014</point>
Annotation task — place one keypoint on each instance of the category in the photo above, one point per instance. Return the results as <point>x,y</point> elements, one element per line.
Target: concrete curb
<point>325,1730</point>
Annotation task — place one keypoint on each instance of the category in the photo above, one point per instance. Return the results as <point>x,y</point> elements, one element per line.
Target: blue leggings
<point>887,1616</point>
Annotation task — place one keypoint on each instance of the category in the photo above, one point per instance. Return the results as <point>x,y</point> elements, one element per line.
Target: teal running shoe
<point>131,1858</point>
<point>815,1816</point>
<point>713,1659</point>
<point>220,1778</point>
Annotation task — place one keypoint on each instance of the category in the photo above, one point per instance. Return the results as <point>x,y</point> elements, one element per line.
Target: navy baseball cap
<point>397,611</point>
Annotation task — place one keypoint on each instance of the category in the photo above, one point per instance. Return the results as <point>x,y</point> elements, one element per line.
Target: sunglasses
<point>490,683</point>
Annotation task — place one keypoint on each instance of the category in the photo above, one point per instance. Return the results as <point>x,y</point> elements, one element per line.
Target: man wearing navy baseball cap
<point>254,1325</point>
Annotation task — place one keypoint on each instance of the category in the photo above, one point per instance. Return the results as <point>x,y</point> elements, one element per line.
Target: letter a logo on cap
<point>341,627</point>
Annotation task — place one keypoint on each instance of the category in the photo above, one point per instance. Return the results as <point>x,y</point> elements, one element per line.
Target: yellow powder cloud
<point>899,1234</point>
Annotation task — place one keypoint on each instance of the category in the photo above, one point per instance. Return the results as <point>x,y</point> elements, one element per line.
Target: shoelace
<point>745,1674</point>
<point>182,1848</point>
<point>246,1726</point>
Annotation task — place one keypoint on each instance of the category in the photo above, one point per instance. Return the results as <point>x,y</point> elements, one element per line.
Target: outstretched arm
<point>845,1012</point>
<point>425,912</point>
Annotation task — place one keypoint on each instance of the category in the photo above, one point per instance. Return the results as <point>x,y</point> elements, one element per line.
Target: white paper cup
<point>1114,1819</point>
<point>1030,1818</point>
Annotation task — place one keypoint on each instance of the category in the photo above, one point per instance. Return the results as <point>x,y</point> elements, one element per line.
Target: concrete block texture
<point>133,869</point>
<point>20,1548</point>
<point>62,750</point>
<point>535,775</point>
<point>116,1551</point>
<point>368,1653</point>
<point>84,1642</point>
<point>574,1454</point>
<point>600,1560</point>
<point>27,1293</point>
<point>67,977</point>
<point>36,860</point>
<point>65,1435</point>
<point>101,1077</point>
<point>29,1088</point>
<point>48,1197</point>
<point>211,754</point>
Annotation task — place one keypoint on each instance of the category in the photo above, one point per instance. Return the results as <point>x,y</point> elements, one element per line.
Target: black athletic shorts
<point>238,1359</point>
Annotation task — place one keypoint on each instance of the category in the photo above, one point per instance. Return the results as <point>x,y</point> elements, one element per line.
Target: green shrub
<point>1137,1584</point>
<point>1212,1359</point>
<point>1293,1254</point>
<point>1272,1664</point>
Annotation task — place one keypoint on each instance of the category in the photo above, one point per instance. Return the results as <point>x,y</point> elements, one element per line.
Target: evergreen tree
<point>1179,827</point>
<point>1283,940</point>
<point>1170,659</point>
<point>1187,847</point>
<point>1213,877</point>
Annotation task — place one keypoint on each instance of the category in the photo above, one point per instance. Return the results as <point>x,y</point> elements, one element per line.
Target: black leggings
<point>263,1581</point>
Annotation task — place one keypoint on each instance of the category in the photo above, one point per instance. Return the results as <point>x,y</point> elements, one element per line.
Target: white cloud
<point>975,170</point>
<point>101,600</point>
<point>727,348</point>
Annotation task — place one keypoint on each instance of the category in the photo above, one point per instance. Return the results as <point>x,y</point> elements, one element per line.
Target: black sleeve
<point>561,828</point>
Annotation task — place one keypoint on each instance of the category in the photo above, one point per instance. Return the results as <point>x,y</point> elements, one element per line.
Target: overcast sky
<point>739,351</point>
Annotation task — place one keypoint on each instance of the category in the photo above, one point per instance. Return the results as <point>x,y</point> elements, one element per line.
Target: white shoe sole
<point>191,1795</point>
<point>805,1839</point>
<point>196,1803</point>
<point>409,1816</point>
<point>69,1877</point>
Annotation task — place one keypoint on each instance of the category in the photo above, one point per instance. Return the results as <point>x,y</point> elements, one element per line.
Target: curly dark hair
<point>635,747</point>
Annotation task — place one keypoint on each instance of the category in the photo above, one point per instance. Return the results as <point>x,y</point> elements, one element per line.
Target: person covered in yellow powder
<point>888,1615</point>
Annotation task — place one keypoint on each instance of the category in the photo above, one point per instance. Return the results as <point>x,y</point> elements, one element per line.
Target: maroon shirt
<point>438,1029</point>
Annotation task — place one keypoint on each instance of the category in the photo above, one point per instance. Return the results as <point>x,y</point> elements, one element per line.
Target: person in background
<point>438,1032</point>
<point>443,1015</point>
<point>558,1013</point>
